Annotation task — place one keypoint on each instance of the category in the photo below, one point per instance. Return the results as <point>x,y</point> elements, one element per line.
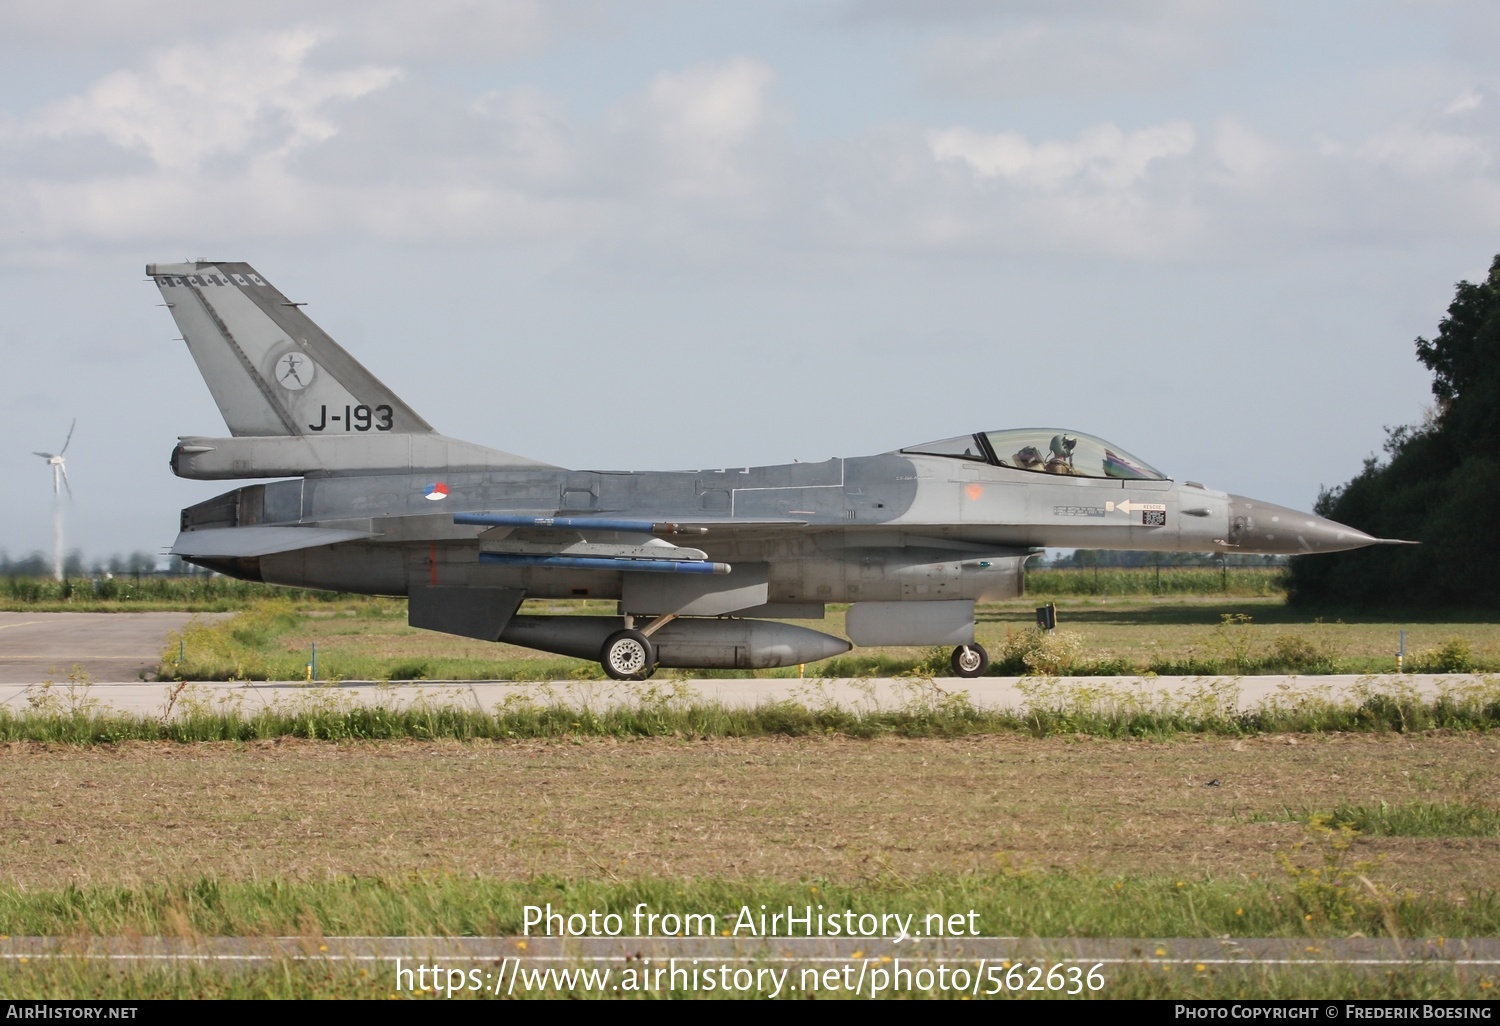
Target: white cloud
<point>1103,155</point>
<point>262,134</point>
<point>972,12</point>
<point>1096,193</point>
<point>275,134</point>
<point>702,132</point>
<point>1470,100</point>
<point>192,103</point>
<point>1157,193</point>
<point>1248,162</point>
<point>439,30</point>
<point>1424,154</point>
<point>1107,192</point>
<point>1072,57</point>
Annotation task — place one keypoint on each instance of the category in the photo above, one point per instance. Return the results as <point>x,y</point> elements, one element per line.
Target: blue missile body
<point>656,566</point>
<point>572,523</point>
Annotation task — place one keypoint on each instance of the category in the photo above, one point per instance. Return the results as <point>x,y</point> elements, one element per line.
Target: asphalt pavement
<point>86,647</point>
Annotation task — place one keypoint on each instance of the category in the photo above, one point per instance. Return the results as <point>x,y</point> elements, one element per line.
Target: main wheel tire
<point>628,655</point>
<point>970,661</point>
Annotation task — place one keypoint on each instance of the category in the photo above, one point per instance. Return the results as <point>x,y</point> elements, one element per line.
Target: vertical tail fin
<point>271,370</point>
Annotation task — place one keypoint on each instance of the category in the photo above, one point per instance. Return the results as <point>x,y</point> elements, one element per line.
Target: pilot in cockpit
<point>1028,458</point>
<point>1060,460</point>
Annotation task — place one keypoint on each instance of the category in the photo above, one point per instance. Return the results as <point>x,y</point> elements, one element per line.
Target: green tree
<point>1439,483</point>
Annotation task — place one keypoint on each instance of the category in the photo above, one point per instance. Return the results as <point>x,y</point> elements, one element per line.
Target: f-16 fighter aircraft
<point>703,563</point>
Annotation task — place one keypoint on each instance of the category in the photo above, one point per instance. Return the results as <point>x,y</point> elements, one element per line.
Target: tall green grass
<point>1412,819</point>
<point>214,593</point>
<point>1008,902</point>
<point>1239,581</point>
<point>198,593</point>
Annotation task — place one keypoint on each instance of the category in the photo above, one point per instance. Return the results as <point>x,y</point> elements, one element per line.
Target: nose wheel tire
<point>970,661</point>
<point>628,655</point>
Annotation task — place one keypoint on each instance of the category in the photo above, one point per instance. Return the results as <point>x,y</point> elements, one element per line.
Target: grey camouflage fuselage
<point>913,538</point>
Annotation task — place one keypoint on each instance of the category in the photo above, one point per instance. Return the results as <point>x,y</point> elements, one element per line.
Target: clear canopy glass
<point>964,447</point>
<point>1071,453</point>
<point>1045,451</point>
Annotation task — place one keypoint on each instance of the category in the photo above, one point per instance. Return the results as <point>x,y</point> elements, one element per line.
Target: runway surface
<point>36,647</point>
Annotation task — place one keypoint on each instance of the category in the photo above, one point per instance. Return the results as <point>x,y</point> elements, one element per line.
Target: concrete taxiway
<point>37,647</point>
<point>860,695</point>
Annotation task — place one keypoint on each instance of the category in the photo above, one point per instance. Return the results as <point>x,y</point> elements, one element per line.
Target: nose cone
<point>1256,526</point>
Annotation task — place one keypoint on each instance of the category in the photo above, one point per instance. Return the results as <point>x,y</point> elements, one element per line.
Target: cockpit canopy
<point>1044,451</point>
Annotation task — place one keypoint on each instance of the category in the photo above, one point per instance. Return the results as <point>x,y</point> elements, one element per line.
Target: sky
<point>672,235</point>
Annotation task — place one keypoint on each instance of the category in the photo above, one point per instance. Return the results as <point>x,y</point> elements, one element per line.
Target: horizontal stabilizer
<point>220,459</point>
<point>241,542</point>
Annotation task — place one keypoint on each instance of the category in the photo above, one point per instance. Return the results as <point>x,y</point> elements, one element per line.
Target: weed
<point>1453,656</point>
<point>1296,654</point>
<point>1332,890</point>
<point>72,701</point>
<point>1418,819</point>
<point>1232,637</point>
<point>1035,652</point>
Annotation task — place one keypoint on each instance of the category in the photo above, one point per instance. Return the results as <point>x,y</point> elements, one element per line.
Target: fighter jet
<point>702,563</point>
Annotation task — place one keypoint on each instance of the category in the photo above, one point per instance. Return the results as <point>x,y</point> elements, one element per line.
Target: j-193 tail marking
<point>271,370</point>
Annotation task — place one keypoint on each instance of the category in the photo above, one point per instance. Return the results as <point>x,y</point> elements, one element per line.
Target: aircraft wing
<point>245,542</point>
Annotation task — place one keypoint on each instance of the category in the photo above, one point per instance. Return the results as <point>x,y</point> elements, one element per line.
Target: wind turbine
<point>59,481</point>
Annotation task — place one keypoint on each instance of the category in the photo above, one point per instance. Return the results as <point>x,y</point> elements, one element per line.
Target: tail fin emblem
<point>435,491</point>
<point>294,371</point>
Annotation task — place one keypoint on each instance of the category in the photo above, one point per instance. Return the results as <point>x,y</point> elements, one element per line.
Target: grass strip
<point>213,593</point>
<point>368,639</point>
<point>72,715</point>
<point>1319,892</point>
<point>1241,581</point>
<point>145,593</point>
<point>1410,819</point>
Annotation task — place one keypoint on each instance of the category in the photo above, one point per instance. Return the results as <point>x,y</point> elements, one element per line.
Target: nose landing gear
<point>970,661</point>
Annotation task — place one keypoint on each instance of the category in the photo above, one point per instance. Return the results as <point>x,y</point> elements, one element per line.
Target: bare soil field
<point>822,808</point>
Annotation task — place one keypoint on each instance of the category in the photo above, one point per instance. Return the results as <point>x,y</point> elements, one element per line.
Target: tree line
<point>1438,483</point>
<point>39,564</point>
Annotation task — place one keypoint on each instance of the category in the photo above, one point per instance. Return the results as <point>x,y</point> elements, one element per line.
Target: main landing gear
<point>970,661</point>
<point>630,654</point>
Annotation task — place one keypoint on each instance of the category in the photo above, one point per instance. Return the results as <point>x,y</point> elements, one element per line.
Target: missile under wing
<point>702,563</point>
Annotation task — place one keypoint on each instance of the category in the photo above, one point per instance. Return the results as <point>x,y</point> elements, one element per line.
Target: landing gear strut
<point>970,661</point>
